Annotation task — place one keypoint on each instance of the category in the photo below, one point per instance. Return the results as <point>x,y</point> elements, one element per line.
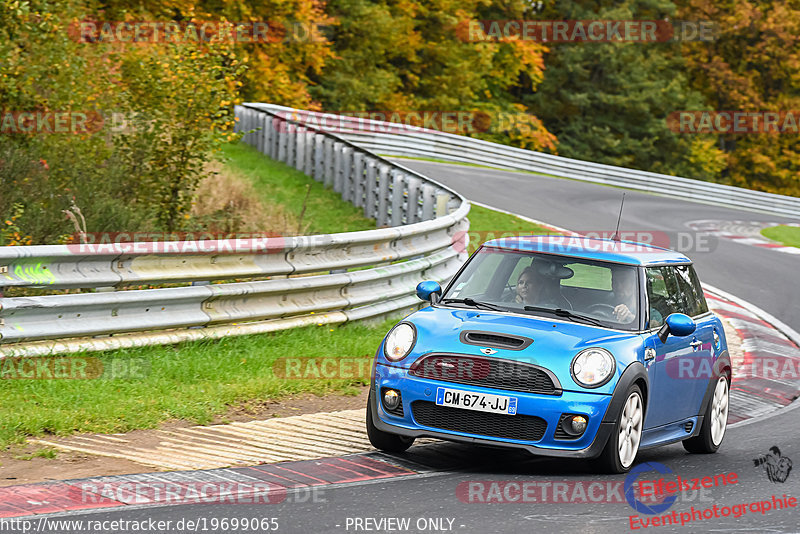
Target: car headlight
<point>399,342</point>
<point>593,367</point>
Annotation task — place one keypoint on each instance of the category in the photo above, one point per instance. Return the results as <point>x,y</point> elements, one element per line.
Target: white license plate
<point>481,402</point>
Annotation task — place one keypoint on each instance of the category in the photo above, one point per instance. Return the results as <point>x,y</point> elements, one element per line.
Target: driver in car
<point>624,288</point>
<point>623,285</point>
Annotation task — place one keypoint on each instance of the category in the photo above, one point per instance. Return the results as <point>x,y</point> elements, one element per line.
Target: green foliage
<point>608,102</point>
<point>138,173</point>
<point>174,125</point>
<point>753,65</point>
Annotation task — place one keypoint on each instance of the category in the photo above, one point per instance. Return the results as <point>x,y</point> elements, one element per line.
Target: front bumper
<point>548,407</point>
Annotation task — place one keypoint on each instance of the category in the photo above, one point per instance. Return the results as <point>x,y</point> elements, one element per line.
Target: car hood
<point>555,342</point>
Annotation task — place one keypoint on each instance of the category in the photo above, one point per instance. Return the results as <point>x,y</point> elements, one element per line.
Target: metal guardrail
<point>307,278</point>
<point>398,140</point>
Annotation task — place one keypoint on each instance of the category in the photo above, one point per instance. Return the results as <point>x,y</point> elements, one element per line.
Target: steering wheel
<point>602,309</point>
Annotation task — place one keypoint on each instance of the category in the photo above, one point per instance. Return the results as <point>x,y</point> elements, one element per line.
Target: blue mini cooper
<point>562,346</point>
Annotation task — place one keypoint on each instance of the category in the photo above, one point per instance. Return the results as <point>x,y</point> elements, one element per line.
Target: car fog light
<point>578,424</point>
<point>391,399</point>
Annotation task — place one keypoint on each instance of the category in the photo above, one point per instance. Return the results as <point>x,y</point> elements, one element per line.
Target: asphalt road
<point>434,501</point>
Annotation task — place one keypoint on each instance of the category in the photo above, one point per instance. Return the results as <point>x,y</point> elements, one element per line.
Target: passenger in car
<point>525,286</point>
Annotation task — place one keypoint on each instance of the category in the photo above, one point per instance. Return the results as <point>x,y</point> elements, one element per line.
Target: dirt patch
<point>28,463</point>
<point>294,405</point>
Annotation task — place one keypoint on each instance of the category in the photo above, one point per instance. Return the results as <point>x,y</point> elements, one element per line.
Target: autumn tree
<point>753,65</point>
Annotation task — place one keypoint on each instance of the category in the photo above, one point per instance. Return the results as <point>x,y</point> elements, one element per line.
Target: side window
<point>698,289</point>
<point>694,302</point>
<point>663,293</point>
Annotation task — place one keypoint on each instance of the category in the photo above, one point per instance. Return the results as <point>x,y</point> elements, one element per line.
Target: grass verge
<point>282,185</point>
<point>788,235</point>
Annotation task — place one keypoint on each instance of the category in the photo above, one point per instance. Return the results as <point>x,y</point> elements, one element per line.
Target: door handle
<point>695,344</point>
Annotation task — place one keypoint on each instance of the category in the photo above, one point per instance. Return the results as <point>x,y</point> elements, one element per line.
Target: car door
<point>671,397</point>
<point>697,367</point>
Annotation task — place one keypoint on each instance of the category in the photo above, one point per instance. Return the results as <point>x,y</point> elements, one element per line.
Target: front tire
<point>385,441</point>
<point>715,422</point>
<point>623,443</point>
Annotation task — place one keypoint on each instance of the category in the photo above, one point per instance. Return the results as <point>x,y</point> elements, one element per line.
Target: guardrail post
<point>428,201</point>
<point>291,143</point>
<point>282,138</point>
<point>338,167</point>
<point>412,202</point>
<point>263,140</point>
<point>328,169</point>
<point>300,149</point>
<point>398,194</point>
<point>308,163</point>
<point>347,175</point>
<point>355,183</point>
<point>277,126</point>
<point>245,125</point>
<point>252,137</point>
<point>370,188</point>
<point>383,195</point>
<point>319,157</point>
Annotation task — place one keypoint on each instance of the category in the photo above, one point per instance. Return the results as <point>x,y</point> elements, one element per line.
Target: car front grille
<point>520,427</point>
<point>493,373</point>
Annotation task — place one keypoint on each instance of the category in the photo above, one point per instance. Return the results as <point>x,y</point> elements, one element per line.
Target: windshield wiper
<point>565,313</point>
<point>475,303</point>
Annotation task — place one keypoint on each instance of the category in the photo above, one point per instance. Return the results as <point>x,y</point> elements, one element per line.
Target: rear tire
<point>715,422</point>
<point>623,443</point>
<point>385,441</point>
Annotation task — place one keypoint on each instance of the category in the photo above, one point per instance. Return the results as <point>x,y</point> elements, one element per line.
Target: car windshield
<point>547,285</point>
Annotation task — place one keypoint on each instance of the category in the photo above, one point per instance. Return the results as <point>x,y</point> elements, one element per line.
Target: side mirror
<point>429,290</point>
<point>677,324</point>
